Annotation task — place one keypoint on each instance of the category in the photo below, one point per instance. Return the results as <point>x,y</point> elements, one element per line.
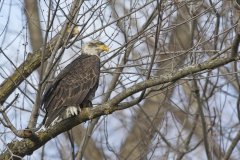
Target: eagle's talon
<point>72,110</point>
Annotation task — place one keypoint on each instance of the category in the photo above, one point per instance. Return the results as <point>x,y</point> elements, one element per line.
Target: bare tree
<point>169,87</point>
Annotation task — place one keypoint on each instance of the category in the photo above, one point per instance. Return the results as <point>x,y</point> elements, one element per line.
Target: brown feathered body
<point>74,86</point>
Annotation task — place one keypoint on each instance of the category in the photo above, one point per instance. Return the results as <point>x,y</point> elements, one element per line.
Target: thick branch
<point>26,146</point>
<point>32,14</point>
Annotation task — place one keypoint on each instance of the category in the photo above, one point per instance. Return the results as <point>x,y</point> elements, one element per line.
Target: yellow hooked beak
<point>104,47</point>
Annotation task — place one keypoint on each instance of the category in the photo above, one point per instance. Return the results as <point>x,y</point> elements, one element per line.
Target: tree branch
<point>27,146</point>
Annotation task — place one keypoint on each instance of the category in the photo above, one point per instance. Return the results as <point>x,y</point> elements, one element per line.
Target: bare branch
<point>27,146</point>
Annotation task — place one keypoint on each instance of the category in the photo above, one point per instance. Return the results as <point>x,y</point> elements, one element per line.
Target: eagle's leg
<point>86,104</point>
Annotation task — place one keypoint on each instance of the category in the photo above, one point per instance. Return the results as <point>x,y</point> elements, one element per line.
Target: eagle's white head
<point>94,47</point>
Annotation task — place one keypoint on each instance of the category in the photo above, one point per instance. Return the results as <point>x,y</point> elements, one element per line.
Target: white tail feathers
<point>69,112</point>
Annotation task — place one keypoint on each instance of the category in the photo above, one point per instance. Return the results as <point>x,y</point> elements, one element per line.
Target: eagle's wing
<point>76,82</point>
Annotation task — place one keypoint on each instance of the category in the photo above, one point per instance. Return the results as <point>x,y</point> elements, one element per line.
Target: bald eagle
<point>75,85</point>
